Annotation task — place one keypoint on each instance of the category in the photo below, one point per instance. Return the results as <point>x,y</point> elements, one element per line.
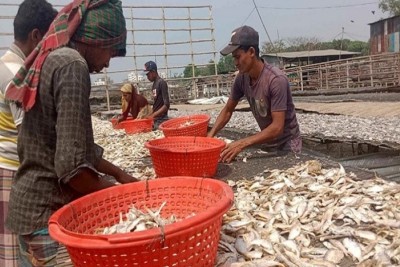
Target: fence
<point>370,71</point>
<point>176,37</point>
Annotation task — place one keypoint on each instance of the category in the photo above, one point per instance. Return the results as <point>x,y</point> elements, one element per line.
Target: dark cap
<point>150,66</point>
<point>242,36</point>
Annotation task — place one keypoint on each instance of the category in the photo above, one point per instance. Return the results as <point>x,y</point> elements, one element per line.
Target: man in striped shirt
<point>30,25</point>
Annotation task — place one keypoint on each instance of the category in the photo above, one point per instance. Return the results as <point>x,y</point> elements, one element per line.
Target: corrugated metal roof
<point>382,20</point>
<point>313,53</point>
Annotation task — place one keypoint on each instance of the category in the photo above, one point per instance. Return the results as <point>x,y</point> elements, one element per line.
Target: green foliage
<point>307,44</point>
<point>391,6</point>
<point>226,65</point>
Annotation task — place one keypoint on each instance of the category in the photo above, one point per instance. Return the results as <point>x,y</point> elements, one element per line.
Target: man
<point>59,160</point>
<point>30,25</point>
<point>268,93</point>
<point>160,94</point>
<point>133,103</point>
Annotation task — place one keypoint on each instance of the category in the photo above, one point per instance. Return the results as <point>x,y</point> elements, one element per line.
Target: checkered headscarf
<point>99,23</point>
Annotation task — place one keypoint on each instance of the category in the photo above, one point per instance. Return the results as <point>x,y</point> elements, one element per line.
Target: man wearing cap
<point>59,161</point>
<point>268,93</point>
<point>160,94</point>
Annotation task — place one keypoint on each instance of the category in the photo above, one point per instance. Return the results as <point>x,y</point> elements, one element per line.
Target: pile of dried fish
<point>369,129</point>
<point>186,123</point>
<point>123,150</point>
<point>136,220</point>
<point>310,216</point>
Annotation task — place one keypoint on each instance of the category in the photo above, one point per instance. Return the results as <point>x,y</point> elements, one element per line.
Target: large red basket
<point>193,241</point>
<point>194,125</point>
<point>137,126</point>
<point>185,155</point>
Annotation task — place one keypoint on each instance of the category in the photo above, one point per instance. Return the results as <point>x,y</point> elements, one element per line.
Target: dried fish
<point>311,216</point>
<point>137,220</point>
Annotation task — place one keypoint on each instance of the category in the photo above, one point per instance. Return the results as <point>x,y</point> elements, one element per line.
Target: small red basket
<point>185,155</point>
<point>192,241</point>
<point>116,125</point>
<point>194,125</point>
<point>137,126</point>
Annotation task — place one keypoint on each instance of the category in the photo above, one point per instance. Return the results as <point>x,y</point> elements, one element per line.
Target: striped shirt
<point>10,115</point>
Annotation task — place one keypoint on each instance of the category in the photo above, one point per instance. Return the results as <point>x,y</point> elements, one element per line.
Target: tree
<point>391,6</point>
<point>274,47</point>
<point>226,65</point>
<point>211,67</point>
<point>302,44</point>
<point>188,71</point>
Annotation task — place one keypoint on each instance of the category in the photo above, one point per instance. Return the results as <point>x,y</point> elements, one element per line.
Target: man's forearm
<point>266,135</point>
<point>162,110</point>
<point>220,123</point>
<point>87,181</point>
<point>106,167</point>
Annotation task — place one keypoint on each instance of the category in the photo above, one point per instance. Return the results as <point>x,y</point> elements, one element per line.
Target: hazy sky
<point>322,19</point>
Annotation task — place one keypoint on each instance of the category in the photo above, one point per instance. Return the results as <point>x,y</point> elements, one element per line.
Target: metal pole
<point>341,44</point>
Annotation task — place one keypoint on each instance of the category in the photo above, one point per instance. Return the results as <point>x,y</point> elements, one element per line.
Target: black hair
<point>246,48</point>
<point>33,14</point>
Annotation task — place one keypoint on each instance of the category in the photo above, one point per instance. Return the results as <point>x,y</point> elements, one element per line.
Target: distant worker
<point>133,103</point>
<point>160,94</point>
<point>268,92</point>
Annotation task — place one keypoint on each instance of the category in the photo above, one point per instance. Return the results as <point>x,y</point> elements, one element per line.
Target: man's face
<point>98,58</point>
<point>151,76</point>
<point>243,60</point>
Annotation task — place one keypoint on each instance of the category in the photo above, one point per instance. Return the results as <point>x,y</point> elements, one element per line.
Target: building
<point>301,58</point>
<point>384,36</point>
<point>133,77</point>
<point>102,81</point>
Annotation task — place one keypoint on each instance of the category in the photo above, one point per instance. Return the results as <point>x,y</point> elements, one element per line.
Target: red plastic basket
<point>193,241</point>
<point>137,126</point>
<point>185,155</point>
<point>119,125</point>
<point>194,125</point>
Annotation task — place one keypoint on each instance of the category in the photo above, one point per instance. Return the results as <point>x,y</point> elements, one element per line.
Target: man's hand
<point>125,178</point>
<point>231,151</point>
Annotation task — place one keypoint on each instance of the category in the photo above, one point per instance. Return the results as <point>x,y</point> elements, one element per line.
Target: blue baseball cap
<point>150,66</point>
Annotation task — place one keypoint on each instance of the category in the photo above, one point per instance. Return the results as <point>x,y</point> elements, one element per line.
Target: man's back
<point>10,115</point>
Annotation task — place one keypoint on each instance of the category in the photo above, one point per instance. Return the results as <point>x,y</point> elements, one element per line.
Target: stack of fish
<point>378,129</point>
<point>123,150</point>
<point>310,216</point>
<point>137,220</point>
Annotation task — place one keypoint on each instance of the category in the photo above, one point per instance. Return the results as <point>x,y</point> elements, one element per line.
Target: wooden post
<point>320,76</point>
<point>214,48</point>
<point>301,79</point>
<point>165,43</point>
<point>134,50</point>
<point>347,74</point>
<point>326,77</point>
<point>107,93</point>
<point>371,72</point>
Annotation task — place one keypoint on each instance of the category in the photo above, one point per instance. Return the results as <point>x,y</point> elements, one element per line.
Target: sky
<point>322,19</point>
